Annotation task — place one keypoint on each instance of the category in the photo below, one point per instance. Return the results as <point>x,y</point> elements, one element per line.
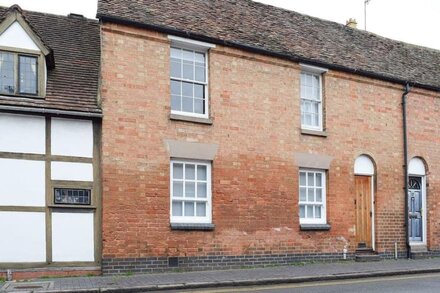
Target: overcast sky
<point>413,21</point>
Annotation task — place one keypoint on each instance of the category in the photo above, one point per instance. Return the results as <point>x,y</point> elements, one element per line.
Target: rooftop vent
<point>75,15</point>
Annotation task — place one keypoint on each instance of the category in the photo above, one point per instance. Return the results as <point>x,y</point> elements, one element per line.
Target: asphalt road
<point>410,283</point>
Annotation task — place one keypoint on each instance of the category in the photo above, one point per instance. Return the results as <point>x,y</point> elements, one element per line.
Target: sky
<point>412,21</point>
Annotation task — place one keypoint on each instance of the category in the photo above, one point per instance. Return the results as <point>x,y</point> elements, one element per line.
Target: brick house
<point>236,133</point>
<point>50,210</point>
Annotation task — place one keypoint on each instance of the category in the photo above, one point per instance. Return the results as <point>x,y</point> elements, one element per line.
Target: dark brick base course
<point>113,266</point>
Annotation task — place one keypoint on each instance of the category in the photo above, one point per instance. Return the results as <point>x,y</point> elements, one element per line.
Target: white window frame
<point>199,47</point>
<point>186,219</point>
<point>323,219</point>
<point>317,71</point>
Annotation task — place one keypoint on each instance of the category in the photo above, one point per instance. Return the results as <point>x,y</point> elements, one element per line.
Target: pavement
<point>300,273</point>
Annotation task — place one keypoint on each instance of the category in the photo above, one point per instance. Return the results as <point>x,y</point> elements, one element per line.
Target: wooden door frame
<point>373,214</point>
<point>424,241</point>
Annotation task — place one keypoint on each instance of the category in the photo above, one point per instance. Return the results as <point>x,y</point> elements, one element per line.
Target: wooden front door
<point>364,212</point>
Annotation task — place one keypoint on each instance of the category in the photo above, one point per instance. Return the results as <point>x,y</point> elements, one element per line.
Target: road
<point>409,283</point>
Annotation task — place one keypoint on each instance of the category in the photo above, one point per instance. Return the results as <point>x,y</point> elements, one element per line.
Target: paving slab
<point>310,272</point>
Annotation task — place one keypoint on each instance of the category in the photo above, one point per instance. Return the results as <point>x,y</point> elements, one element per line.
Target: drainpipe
<point>405,166</point>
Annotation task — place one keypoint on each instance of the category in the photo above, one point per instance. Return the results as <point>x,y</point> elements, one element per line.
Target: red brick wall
<point>254,103</point>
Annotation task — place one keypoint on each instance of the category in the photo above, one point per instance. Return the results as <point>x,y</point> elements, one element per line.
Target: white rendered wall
<point>22,183</point>
<point>72,138</point>
<point>22,134</point>
<point>72,171</point>
<point>23,237</point>
<point>15,36</point>
<point>72,237</point>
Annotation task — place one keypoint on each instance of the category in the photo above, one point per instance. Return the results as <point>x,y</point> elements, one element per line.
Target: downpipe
<point>405,166</point>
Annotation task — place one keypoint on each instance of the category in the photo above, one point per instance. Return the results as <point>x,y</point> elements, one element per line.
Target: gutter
<point>252,49</point>
<point>405,165</point>
<point>28,110</point>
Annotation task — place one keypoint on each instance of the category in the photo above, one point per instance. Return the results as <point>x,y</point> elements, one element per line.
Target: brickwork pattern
<point>254,105</point>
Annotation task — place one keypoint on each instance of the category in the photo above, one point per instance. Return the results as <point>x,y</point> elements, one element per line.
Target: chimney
<point>351,23</point>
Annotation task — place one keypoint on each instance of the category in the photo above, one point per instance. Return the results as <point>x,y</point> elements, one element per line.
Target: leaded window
<point>190,192</point>
<point>18,74</point>
<point>311,101</point>
<point>71,196</point>
<point>188,82</point>
<point>312,197</point>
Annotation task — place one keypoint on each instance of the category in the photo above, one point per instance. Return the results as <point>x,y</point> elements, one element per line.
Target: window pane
<point>187,105</point>
<point>315,81</point>
<point>176,103</point>
<point>310,212</point>
<point>317,212</point>
<point>200,73</point>
<point>177,208</point>
<point>199,106</point>
<point>7,79</point>
<point>200,58</point>
<point>177,189</point>
<point>176,68</point>
<point>319,179</point>
<point>201,172</point>
<point>190,171</point>
<point>189,209</point>
<point>188,71</point>
<point>176,53</point>
<point>318,195</point>
<point>310,179</point>
<point>188,55</point>
<point>187,89</point>
<point>308,119</point>
<point>302,212</point>
<point>201,190</point>
<point>177,171</point>
<point>303,194</point>
<point>28,74</point>
<point>190,189</point>
<point>176,88</point>
<point>201,209</point>
<point>199,91</point>
<point>302,178</point>
<point>311,194</point>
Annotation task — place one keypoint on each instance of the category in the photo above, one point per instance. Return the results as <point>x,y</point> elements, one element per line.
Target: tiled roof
<point>72,85</point>
<point>283,33</point>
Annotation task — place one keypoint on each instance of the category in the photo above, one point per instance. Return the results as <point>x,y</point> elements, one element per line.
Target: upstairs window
<point>189,77</point>
<point>18,74</point>
<point>311,101</point>
<point>188,82</point>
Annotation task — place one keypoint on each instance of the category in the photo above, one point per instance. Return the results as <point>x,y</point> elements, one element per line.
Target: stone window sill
<point>192,227</point>
<point>314,132</point>
<point>315,227</point>
<point>176,117</point>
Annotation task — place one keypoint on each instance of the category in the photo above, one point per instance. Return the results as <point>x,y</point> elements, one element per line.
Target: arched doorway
<point>417,202</point>
<point>364,171</point>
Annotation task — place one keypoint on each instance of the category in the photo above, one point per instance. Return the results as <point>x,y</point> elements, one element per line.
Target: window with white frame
<point>311,101</point>
<point>190,192</point>
<point>189,82</point>
<point>312,197</point>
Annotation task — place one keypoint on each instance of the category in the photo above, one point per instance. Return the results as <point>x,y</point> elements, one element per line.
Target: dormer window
<point>18,74</point>
<point>24,58</point>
